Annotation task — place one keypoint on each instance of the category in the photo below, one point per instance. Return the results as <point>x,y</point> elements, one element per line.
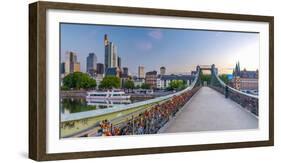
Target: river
<point>79,104</point>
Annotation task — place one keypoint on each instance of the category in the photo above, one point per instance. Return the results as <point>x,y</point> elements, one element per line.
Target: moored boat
<point>108,95</point>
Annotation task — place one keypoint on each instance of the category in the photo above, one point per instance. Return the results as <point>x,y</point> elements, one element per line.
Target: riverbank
<point>83,94</point>
<point>73,93</point>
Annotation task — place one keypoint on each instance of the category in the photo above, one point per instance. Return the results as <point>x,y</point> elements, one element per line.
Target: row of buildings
<point>244,80</point>
<point>162,80</point>
<point>70,65</point>
<point>112,66</point>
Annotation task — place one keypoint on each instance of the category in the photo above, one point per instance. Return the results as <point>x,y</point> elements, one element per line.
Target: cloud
<point>144,45</point>
<point>156,34</point>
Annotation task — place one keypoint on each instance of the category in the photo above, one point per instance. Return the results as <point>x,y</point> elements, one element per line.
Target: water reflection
<point>75,105</point>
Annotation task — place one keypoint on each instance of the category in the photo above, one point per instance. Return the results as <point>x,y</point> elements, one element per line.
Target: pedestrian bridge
<point>216,107</point>
<point>209,110</point>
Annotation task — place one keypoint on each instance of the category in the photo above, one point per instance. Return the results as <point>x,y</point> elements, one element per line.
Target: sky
<point>179,50</point>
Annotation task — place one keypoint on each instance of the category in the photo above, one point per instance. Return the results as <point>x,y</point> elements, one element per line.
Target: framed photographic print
<point>112,81</point>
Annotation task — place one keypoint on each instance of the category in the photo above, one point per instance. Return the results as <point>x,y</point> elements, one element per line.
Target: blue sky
<point>179,50</point>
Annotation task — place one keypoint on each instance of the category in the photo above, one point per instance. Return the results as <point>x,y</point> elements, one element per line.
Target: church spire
<point>238,67</point>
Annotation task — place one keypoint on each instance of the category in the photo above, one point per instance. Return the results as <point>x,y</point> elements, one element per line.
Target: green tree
<point>78,80</point>
<point>205,77</point>
<point>145,86</point>
<point>129,84</point>
<point>176,85</point>
<point>110,82</point>
<point>224,78</point>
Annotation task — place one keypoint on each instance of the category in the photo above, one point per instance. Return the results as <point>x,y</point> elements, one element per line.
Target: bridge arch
<point>214,72</point>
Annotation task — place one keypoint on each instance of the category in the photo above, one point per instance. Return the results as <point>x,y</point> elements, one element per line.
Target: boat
<point>108,95</point>
<point>107,103</point>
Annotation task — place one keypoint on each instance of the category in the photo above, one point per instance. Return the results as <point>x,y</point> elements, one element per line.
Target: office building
<point>62,68</point>
<point>162,71</point>
<point>163,81</point>
<point>71,64</point>
<point>119,62</point>
<point>151,79</point>
<point>112,71</point>
<point>100,68</point>
<point>125,72</point>
<point>138,82</point>
<point>141,74</point>
<point>91,64</point>
<point>110,56</point>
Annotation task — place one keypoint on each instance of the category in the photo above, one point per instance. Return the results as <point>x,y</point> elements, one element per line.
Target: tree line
<point>79,80</point>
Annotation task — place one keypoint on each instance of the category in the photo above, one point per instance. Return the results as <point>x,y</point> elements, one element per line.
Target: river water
<point>76,105</point>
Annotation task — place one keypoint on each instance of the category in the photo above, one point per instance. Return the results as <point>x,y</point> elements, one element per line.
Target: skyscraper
<point>162,71</point>
<point>91,64</point>
<point>71,64</point>
<point>141,74</point>
<point>100,68</point>
<point>76,67</point>
<point>110,55</point>
<point>114,61</point>
<point>107,52</point>
<point>119,62</point>
<point>125,72</point>
<point>106,41</point>
<point>62,68</point>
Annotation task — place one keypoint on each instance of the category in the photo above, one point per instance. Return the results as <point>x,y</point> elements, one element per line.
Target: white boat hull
<point>108,98</point>
<point>108,95</point>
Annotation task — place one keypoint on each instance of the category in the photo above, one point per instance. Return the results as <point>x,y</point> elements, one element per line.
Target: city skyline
<point>154,47</point>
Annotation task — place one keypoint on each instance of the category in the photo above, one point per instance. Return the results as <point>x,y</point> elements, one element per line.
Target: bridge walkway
<point>208,110</point>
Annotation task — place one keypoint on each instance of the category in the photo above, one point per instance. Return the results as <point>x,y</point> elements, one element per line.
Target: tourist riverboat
<point>107,95</point>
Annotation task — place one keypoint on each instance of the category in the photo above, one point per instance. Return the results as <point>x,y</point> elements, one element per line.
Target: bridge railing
<point>119,121</point>
<point>248,101</point>
<point>149,120</point>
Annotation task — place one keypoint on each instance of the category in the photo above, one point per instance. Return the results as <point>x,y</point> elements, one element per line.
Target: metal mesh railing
<point>247,101</point>
<point>147,121</point>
